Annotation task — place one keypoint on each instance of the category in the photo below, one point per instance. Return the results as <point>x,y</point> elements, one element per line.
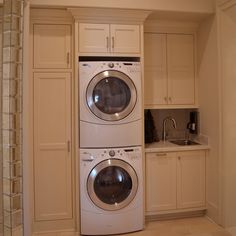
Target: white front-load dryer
<point>110,103</point>
<point>111,191</point>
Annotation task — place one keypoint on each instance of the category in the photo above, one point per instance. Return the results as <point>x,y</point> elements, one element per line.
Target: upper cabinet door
<point>94,38</point>
<point>155,69</point>
<point>52,46</point>
<point>125,38</point>
<point>180,60</point>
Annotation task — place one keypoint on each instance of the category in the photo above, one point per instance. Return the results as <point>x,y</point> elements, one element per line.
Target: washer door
<point>111,95</point>
<point>112,184</point>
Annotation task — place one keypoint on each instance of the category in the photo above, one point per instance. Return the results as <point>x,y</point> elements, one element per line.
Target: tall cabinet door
<point>94,38</point>
<point>160,182</point>
<point>52,46</point>
<point>191,179</point>
<point>180,57</point>
<point>155,69</point>
<point>52,154</point>
<point>125,38</point>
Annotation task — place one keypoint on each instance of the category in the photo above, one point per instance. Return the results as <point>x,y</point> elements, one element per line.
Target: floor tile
<point>197,226</point>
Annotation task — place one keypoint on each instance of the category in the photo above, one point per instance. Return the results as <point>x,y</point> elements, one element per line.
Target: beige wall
<point>209,107</point>
<point>204,6</point>
<point>228,88</point>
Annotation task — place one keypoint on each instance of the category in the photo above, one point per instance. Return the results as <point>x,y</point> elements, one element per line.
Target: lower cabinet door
<point>190,179</point>
<point>52,154</point>
<point>160,182</point>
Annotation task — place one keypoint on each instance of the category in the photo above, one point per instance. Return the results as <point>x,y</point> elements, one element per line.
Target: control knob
<point>112,153</point>
<point>111,65</point>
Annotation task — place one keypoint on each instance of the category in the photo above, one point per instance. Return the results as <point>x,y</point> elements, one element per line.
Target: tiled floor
<point>199,226</point>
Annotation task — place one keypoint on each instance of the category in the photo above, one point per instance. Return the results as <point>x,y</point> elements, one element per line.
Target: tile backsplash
<point>181,117</point>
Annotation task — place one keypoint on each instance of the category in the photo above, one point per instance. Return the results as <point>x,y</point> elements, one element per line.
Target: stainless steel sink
<point>184,142</point>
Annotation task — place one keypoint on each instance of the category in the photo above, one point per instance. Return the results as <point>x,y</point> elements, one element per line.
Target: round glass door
<point>112,184</point>
<point>111,95</point>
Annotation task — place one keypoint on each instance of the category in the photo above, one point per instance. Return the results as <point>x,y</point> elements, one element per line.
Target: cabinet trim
<point>104,15</point>
<point>51,16</point>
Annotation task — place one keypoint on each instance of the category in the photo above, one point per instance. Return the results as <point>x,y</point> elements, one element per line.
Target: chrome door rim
<point>103,75</point>
<point>92,176</point>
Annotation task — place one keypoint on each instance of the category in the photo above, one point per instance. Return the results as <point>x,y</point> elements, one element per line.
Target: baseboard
<point>176,215</point>
<point>212,212</point>
<point>56,233</point>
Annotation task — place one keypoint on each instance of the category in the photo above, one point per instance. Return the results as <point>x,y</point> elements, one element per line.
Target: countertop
<point>170,147</point>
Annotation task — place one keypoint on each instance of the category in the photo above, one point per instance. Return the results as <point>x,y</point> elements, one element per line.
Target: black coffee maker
<point>192,125</point>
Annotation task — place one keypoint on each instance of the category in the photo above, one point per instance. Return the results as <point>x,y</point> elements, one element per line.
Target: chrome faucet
<point>164,126</point>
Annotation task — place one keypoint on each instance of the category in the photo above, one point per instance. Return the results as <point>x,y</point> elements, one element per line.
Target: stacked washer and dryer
<point>111,169</point>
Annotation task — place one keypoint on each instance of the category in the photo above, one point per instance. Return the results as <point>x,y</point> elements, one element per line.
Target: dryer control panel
<point>89,155</point>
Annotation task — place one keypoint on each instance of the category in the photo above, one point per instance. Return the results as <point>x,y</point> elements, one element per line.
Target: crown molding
<point>57,15</point>
<point>166,26</point>
<point>104,15</point>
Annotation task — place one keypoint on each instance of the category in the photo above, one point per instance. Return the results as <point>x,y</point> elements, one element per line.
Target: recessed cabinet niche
<point>109,38</point>
<point>175,181</point>
<point>169,76</point>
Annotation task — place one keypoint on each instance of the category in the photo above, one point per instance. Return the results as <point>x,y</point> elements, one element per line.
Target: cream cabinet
<point>52,46</point>
<point>190,179</point>
<point>160,181</point>
<point>169,77</point>
<point>52,134</point>
<point>52,146</point>
<point>175,181</point>
<point>109,38</point>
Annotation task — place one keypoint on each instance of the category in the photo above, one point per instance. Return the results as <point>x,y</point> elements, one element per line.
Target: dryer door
<point>111,95</point>
<point>112,184</point>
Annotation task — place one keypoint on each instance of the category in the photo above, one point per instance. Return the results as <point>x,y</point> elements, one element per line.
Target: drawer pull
<point>107,38</point>
<point>68,146</point>
<point>113,42</point>
<point>161,154</point>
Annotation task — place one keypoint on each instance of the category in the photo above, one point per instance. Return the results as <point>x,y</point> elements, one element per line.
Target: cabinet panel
<point>94,38</point>
<point>180,60</point>
<point>125,38</point>
<point>52,156</point>
<point>160,181</point>
<point>169,70</point>
<point>52,46</point>
<point>155,69</point>
<point>191,179</point>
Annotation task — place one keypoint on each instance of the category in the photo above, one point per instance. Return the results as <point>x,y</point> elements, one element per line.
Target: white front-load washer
<point>110,103</point>
<point>111,191</point>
